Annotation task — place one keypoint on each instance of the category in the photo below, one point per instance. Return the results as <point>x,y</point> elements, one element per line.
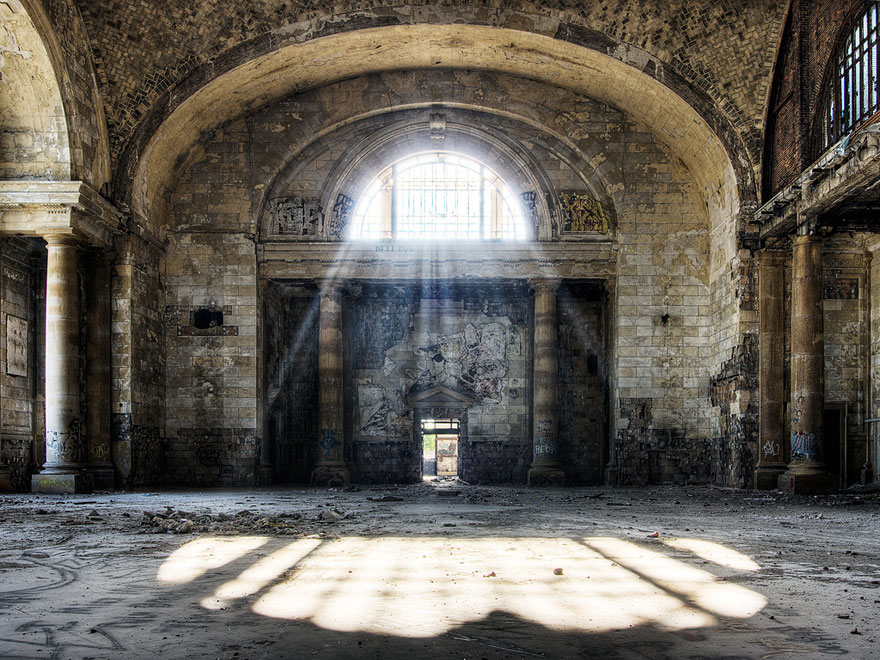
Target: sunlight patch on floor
<point>714,552</point>
<point>197,557</point>
<point>423,587</point>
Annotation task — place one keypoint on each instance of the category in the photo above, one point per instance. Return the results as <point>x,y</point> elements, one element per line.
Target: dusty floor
<point>443,570</point>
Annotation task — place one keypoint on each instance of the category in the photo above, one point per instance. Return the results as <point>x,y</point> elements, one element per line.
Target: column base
<point>546,476</point>
<point>73,482</point>
<point>103,478</point>
<point>806,481</point>
<point>767,478</point>
<point>330,476</point>
<point>610,476</point>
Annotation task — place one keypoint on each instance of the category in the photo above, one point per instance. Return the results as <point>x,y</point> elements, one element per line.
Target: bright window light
<point>438,196</point>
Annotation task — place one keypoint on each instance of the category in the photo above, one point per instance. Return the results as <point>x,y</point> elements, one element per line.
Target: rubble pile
<point>173,521</point>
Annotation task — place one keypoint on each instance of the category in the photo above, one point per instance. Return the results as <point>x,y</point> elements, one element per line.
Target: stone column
<point>806,472</point>
<point>546,469</point>
<point>98,319</point>
<point>331,469</point>
<point>63,470</point>
<point>771,370</point>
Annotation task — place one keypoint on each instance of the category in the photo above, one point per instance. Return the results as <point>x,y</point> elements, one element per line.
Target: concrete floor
<point>441,570</point>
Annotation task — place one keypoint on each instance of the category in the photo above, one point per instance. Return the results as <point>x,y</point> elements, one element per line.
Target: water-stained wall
<point>583,381</point>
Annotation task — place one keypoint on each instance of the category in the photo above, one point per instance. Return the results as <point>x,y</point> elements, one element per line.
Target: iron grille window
<point>851,95</point>
<point>436,196</point>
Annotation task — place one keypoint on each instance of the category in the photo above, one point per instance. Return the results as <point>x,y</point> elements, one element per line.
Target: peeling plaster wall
<point>474,340</point>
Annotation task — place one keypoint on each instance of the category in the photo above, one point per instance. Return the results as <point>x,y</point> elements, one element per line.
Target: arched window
<point>435,196</point>
<point>851,94</point>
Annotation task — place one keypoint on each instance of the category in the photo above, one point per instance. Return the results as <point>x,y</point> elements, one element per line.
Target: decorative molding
<point>41,208</point>
<point>16,346</point>
<point>439,396</point>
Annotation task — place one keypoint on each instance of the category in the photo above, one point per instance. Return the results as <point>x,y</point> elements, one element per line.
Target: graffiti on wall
<point>383,413</point>
<point>339,217</point>
<point>804,446</point>
<point>529,200</point>
<point>582,213</point>
<point>294,216</point>
<point>329,441</point>
<point>771,449</point>
<point>473,360</point>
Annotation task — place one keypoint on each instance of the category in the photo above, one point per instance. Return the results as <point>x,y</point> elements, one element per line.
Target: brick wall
<point>809,42</point>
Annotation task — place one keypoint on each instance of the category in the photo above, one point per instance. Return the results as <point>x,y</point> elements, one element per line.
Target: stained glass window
<point>437,196</point>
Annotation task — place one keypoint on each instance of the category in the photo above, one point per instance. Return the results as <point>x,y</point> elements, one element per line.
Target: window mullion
<point>394,201</point>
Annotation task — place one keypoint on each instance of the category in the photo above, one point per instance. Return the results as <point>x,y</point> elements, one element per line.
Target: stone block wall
<point>845,307</point>
<point>682,287</point>
<point>291,341</point>
<point>33,128</point>
<point>583,383</point>
<point>22,278</point>
<point>665,345</point>
<point>138,363</point>
<point>213,374</point>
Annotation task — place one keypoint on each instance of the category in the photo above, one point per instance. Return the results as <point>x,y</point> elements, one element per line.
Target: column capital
<point>807,225</point>
<point>544,284</point>
<point>801,239</point>
<point>39,208</point>
<point>330,285</point>
<point>62,240</point>
<point>773,257</point>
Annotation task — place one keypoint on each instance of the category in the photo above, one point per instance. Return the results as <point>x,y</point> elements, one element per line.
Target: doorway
<point>440,447</point>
